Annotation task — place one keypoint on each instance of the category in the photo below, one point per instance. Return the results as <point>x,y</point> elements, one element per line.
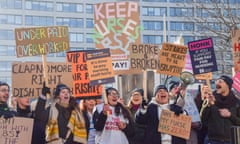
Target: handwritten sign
<point>117,25</point>
<point>16,130</point>
<point>80,75</point>
<point>99,63</point>
<point>41,40</point>
<point>204,76</point>
<point>27,77</point>
<point>179,126</point>
<point>202,56</point>
<point>236,49</point>
<point>236,81</point>
<point>144,56</point>
<point>172,59</point>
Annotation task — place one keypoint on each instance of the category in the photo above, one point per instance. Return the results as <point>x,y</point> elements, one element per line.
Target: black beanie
<point>58,89</point>
<point>227,80</point>
<point>158,88</point>
<point>141,91</point>
<point>173,84</point>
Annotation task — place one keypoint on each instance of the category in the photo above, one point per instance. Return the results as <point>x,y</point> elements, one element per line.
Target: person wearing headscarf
<point>64,120</point>
<point>222,112</point>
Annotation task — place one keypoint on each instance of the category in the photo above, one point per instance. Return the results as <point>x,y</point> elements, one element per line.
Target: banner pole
<point>45,74</point>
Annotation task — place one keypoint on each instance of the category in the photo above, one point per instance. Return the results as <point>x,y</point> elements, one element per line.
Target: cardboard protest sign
<point>99,63</point>
<point>172,59</point>
<point>236,81</point>
<point>81,82</point>
<point>204,76</point>
<point>236,49</point>
<point>144,56</point>
<point>41,40</point>
<point>27,77</point>
<point>16,130</point>
<point>179,126</point>
<point>202,56</point>
<point>117,25</point>
<point>188,64</point>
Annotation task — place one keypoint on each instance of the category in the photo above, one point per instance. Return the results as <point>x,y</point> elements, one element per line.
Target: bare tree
<point>217,19</point>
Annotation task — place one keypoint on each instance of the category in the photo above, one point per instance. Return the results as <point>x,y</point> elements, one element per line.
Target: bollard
<point>235,135</point>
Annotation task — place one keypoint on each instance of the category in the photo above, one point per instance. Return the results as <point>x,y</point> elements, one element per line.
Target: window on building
<point>71,22</point>
<point>180,0</point>
<point>7,35</point>
<point>89,38</point>
<point>153,25</point>
<point>181,12</point>
<point>89,23</point>
<point>61,54</point>
<point>155,0</point>
<point>10,19</point>
<point>152,39</point>
<point>6,50</point>
<point>76,48</point>
<point>181,26</point>
<point>11,4</point>
<point>39,5</point>
<point>154,11</point>
<point>69,7</point>
<point>89,8</point>
<point>76,37</point>
<point>39,20</point>
<point>5,66</point>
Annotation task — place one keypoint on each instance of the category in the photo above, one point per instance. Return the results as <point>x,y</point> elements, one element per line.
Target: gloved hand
<point>176,109</point>
<point>45,90</point>
<point>144,104</point>
<point>7,114</point>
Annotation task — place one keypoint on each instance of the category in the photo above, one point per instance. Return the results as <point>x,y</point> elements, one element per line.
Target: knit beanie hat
<point>173,84</point>
<point>139,90</point>
<point>227,80</point>
<point>158,88</point>
<point>58,89</point>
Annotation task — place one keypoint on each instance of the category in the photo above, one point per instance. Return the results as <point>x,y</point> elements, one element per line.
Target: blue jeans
<point>217,142</point>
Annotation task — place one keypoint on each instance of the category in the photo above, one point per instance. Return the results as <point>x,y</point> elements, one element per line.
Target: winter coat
<point>219,127</point>
<point>151,120</point>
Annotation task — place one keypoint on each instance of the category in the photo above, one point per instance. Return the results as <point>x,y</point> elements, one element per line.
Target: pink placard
<point>236,82</point>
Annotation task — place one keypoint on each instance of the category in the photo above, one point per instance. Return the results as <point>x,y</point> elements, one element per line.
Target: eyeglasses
<point>136,95</point>
<point>5,90</point>
<point>114,94</point>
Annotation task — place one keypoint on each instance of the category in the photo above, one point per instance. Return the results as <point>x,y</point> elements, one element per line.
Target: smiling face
<point>221,87</point>
<point>4,93</point>
<point>162,96</point>
<point>64,96</point>
<point>113,97</point>
<point>89,104</point>
<point>136,98</point>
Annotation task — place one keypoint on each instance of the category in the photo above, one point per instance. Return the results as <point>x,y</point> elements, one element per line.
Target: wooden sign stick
<point>145,84</point>
<point>45,74</point>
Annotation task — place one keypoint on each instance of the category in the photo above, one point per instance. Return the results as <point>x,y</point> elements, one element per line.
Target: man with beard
<point>223,111</point>
<point>5,111</point>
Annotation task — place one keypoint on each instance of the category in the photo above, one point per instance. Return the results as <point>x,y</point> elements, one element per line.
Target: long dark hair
<point>119,107</point>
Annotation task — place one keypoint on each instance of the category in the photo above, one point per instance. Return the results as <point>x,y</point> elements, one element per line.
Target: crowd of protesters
<point>64,121</point>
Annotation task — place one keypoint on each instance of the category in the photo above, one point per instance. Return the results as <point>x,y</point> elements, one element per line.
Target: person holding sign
<point>222,112</point>
<point>114,120</point>
<point>64,120</point>
<point>5,111</point>
<point>150,117</point>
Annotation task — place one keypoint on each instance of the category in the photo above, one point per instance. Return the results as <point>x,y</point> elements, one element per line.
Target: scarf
<point>225,101</point>
<point>76,126</point>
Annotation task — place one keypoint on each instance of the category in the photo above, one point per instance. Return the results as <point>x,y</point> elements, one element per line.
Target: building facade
<point>78,16</point>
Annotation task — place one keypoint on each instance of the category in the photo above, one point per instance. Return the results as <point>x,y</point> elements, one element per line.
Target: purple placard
<point>202,56</point>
